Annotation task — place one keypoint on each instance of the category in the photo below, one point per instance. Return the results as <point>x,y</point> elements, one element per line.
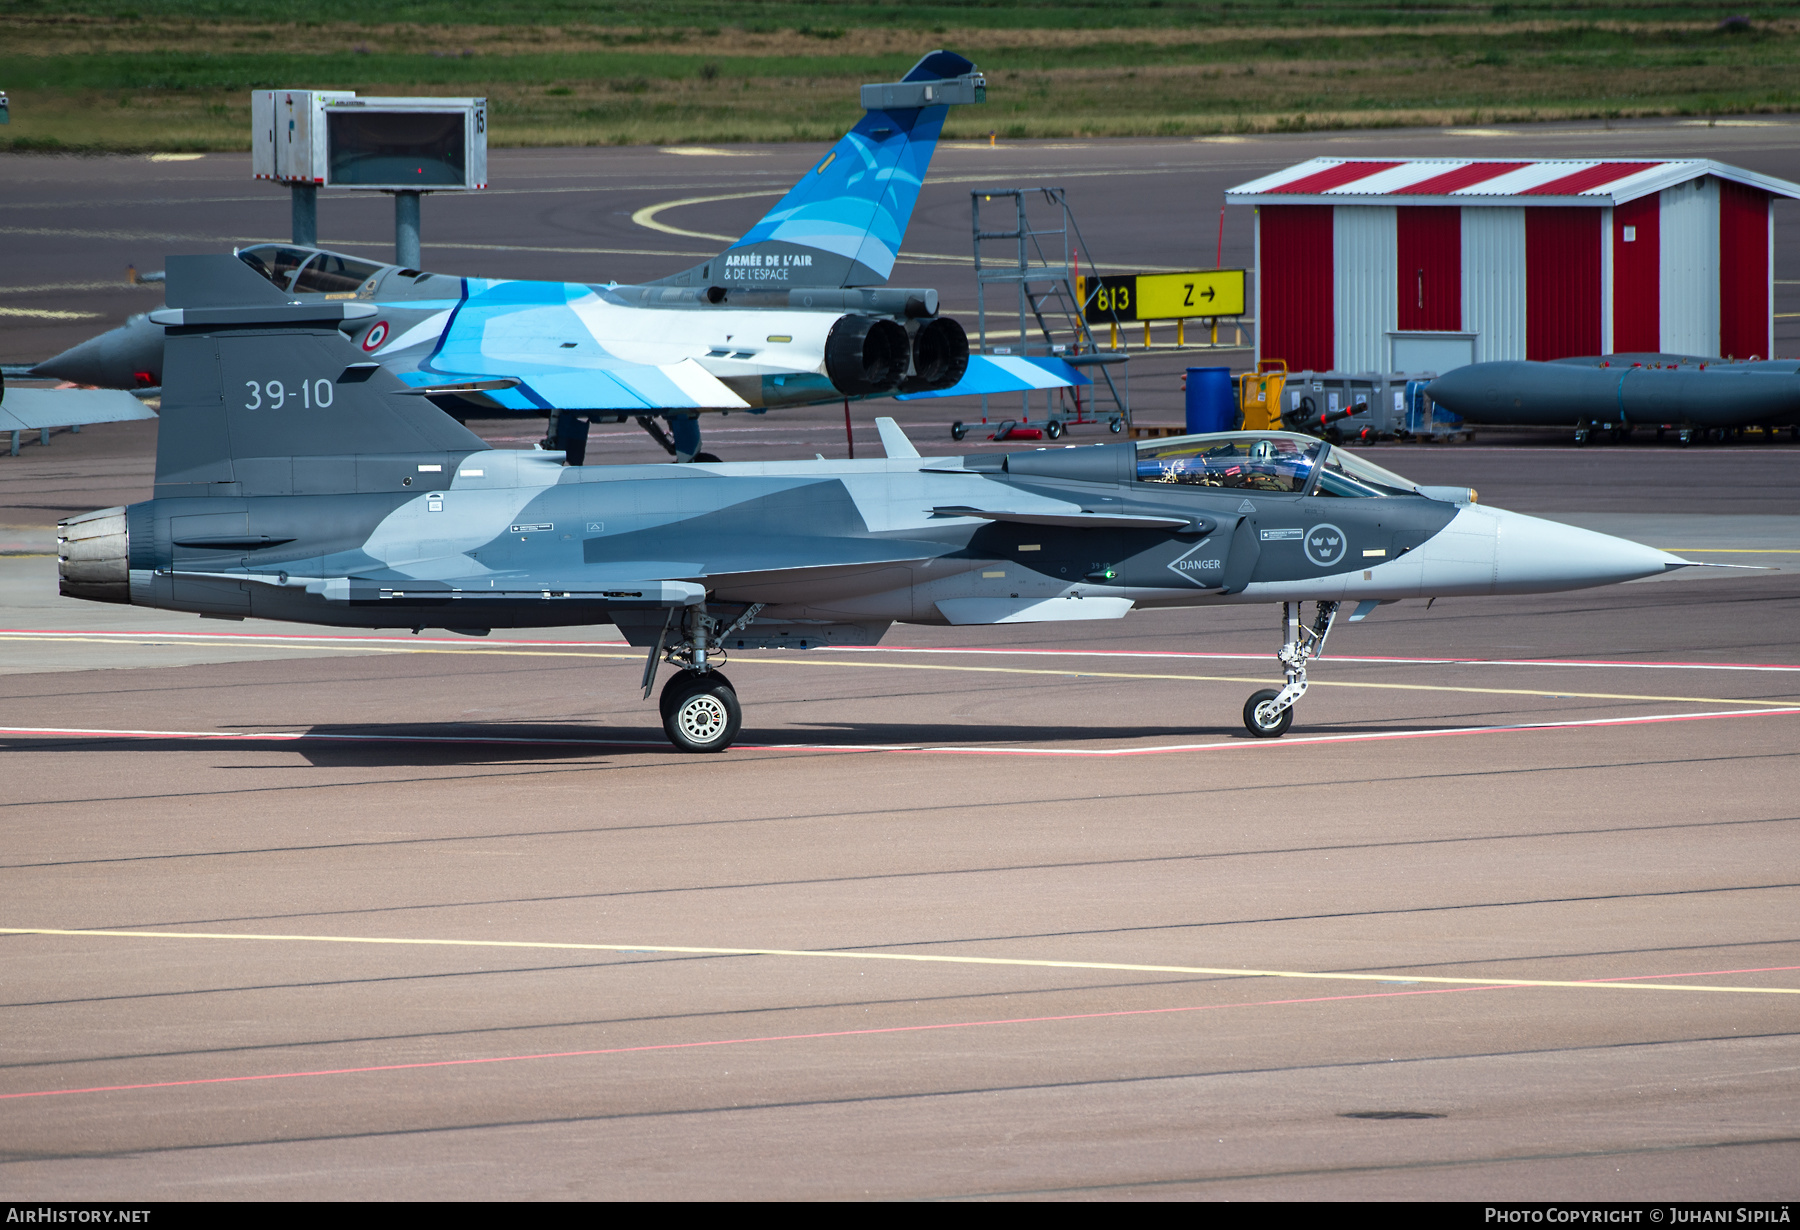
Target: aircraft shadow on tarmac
<point>425,744</point>
<point>936,734</point>
<point>378,745</point>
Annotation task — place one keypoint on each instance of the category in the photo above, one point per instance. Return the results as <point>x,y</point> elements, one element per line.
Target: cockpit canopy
<point>1269,461</point>
<point>310,271</point>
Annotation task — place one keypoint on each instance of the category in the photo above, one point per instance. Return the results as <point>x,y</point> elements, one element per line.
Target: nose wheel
<point>1269,713</point>
<point>1262,719</point>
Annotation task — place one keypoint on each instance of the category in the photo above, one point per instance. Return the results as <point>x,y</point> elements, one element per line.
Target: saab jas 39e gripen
<point>297,479</point>
<point>794,313</point>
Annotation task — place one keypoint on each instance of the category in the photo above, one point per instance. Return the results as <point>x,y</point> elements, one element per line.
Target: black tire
<point>681,679</point>
<point>1053,429</point>
<point>958,430</point>
<point>1116,426</point>
<point>700,712</point>
<point>1255,727</point>
<point>706,458</point>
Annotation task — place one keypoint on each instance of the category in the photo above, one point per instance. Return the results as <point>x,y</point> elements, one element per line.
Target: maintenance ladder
<point>1041,264</point>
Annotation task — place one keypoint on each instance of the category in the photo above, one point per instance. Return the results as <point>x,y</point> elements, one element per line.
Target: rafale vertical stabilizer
<point>842,224</point>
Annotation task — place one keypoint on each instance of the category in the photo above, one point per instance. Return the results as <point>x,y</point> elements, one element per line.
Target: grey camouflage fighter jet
<point>297,479</point>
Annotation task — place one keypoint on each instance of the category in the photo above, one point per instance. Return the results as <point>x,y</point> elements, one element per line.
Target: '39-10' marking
<point>312,393</point>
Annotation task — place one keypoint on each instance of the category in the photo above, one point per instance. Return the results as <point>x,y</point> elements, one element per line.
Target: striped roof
<point>1470,181</point>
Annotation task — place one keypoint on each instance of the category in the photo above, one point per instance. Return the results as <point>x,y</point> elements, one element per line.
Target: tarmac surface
<point>984,912</point>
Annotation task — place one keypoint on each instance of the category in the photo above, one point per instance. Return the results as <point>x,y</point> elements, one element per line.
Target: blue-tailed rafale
<point>797,312</point>
<point>297,479</point>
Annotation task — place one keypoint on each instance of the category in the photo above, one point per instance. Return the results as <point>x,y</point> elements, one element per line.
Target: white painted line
<point>1264,657</point>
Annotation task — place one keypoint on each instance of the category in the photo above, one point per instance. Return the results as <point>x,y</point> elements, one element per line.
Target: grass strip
<point>175,83</point>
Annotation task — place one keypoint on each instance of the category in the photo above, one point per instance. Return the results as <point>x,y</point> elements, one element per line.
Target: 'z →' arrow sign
<point>1116,298</point>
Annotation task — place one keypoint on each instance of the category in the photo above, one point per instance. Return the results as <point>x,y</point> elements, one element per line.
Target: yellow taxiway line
<point>150,640</point>
<point>921,958</point>
<point>646,216</point>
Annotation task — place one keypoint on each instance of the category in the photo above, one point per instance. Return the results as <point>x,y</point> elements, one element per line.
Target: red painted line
<point>1368,738</point>
<point>682,1046</point>
<point>473,642</point>
<point>1711,973</point>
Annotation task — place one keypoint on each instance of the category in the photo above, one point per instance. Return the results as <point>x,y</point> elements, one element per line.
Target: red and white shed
<point>1425,264</point>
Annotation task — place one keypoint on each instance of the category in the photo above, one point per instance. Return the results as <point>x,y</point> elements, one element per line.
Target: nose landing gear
<point>1269,713</point>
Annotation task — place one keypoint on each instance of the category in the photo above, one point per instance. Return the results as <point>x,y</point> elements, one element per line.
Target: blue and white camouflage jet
<point>795,313</point>
<point>297,480</point>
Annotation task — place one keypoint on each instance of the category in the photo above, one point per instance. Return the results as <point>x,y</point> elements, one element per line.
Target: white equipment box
<point>333,139</point>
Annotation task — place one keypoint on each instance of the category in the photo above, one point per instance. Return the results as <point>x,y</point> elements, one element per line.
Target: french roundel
<point>375,336</point>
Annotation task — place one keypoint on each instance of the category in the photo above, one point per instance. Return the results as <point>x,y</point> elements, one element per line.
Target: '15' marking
<point>316,392</point>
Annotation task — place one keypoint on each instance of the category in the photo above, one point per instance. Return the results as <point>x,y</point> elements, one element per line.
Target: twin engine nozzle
<point>868,355</point>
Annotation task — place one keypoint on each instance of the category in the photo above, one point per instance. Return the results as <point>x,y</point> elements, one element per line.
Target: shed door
<point>1562,282</point>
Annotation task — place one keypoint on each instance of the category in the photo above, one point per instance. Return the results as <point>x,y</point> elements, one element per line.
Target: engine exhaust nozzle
<point>866,354</point>
<point>93,553</point>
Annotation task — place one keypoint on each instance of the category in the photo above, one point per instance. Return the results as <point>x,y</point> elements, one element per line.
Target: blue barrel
<point>1210,405</point>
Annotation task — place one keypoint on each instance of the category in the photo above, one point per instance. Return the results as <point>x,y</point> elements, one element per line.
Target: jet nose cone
<point>1456,390</point>
<point>114,360</point>
<point>71,365</point>
<point>1532,555</point>
<point>89,362</point>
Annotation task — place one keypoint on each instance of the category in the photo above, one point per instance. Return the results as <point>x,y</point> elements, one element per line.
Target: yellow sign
<point>1200,294</point>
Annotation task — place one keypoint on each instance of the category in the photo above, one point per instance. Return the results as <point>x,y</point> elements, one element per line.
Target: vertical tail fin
<point>842,224</point>
<point>262,396</point>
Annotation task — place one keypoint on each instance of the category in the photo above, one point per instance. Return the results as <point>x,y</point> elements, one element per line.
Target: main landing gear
<point>700,711</point>
<point>1269,713</point>
<point>685,444</point>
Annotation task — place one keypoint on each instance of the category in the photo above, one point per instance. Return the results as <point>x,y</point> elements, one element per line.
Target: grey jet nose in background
<point>128,357</point>
<point>1515,393</point>
<point>1622,392</point>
